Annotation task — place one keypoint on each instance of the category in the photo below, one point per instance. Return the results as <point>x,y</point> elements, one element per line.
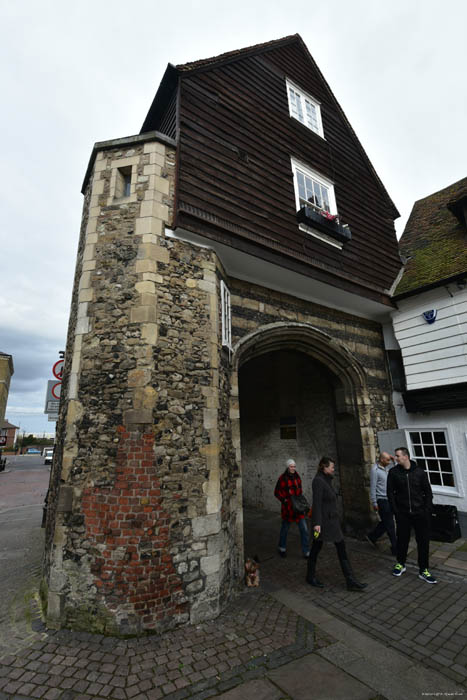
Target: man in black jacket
<point>410,496</point>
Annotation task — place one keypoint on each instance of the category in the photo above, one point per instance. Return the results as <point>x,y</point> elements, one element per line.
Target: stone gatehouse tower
<point>233,272</point>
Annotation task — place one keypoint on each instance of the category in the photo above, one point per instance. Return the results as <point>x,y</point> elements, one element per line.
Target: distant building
<point>235,266</point>
<point>8,434</point>
<point>6,372</point>
<point>430,331</point>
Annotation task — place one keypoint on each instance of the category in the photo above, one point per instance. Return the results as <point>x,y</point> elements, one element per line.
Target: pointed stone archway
<point>354,434</point>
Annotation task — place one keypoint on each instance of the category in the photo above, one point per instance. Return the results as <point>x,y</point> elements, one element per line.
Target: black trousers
<point>420,522</point>
<point>386,523</point>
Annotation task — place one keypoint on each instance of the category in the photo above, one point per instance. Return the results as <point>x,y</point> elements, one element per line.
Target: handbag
<point>300,505</point>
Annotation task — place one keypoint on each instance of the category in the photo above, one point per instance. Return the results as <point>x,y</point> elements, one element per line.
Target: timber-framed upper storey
<point>239,131</point>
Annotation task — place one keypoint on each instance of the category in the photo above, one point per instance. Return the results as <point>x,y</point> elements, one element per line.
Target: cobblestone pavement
<point>256,634</point>
<point>426,622</point>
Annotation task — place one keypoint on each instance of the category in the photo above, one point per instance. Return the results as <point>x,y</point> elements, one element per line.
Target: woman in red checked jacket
<point>289,484</point>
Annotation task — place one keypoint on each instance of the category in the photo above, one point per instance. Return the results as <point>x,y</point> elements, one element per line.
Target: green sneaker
<point>426,576</point>
<point>398,570</point>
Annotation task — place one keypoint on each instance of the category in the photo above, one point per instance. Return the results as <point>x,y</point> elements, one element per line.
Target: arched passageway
<point>300,394</point>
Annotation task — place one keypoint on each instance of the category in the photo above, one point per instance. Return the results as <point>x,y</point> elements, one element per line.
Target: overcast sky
<point>79,72</point>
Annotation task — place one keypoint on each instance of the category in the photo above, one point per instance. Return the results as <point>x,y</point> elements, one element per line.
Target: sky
<point>79,72</point>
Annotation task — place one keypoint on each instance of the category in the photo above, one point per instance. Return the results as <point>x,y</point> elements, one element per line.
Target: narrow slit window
<point>226,316</point>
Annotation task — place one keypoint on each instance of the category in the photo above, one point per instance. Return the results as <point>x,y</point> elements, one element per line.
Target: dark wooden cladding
<point>236,139</point>
<point>168,123</point>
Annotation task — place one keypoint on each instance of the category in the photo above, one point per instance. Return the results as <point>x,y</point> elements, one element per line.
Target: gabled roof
<point>6,425</point>
<point>172,74</point>
<point>435,240</point>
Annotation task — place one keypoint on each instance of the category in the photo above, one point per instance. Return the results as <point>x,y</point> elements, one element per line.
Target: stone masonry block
<point>137,416</point>
<point>85,295</point>
<point>82,309</point>
<point>149,333</point>
<point>142,314</point>
<point>91,225</point>
<point>89,252</point>
<point>206,525</point>
<point>152,208</point>
<point>154,147</point>
<point>210,565</point>
<point>82,326</point>
<point>148,299</point>
<point>149,251</point>
<point>89,265</point>
<point>146,266</point>
<point>100,165</point>
<point>145,287</point>
<point>139,377</point>
<point>148,225</point>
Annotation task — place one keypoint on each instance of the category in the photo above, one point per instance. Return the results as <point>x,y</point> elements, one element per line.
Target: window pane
<point>324,194</point>
<point>435,478</point>
<point>415,437</point>
<point>430,451</point>
<point>442,451</point>
<point>422,463</point>
<point>448,480</point>
<point>318,199</point>
<point>446,465</point>
<point>427,438</point>
<point>432,464</point>
<point>311,115</point>
<point>418,451</point>
<point>309,190</point>
<point>440,438</point>
<point>301,185</point>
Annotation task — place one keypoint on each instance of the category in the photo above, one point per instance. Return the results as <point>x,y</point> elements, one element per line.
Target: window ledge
<point>311,218</point>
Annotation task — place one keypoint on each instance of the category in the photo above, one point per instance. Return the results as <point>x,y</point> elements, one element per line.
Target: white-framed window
<point>430,448</point>
<point>226,316</point>
<point>304,108</point>
<point>315,191</point>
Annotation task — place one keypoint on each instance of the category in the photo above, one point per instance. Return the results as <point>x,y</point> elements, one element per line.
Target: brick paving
<point>254,635</point>
<point>426,622</point>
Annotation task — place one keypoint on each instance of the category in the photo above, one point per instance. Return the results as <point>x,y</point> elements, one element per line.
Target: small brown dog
<point>251,573</point>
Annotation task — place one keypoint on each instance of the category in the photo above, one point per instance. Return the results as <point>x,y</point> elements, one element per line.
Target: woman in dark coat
<point>326,526</point>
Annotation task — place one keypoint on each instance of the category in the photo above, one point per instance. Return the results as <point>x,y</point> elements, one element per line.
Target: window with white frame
<point>304,108</point>
<point>431,450</point>
<point>313,189</point>
<point>226,316</point>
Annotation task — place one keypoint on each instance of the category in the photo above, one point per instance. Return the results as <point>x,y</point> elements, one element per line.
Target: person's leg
<point>379,530</point>
<point>311,567</point>
<point>421,525</point>
<point>283,537</point>
<point>403,537</point>
<point>304,536</point>
<point>387,518</point>
<point>351,581</point>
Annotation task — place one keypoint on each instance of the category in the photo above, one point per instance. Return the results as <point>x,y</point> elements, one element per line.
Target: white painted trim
<point>305,96</point>
<point>255,270</point>
<point>320,236</point>
<point>299,165</point>
<point>456,491</point>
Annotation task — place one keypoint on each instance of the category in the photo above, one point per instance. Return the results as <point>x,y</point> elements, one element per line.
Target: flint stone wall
<point>143,499</point>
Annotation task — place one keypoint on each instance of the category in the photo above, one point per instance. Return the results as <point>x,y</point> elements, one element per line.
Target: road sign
<point>57,369</point>
<point>53,417</point>
<point>56,390</point>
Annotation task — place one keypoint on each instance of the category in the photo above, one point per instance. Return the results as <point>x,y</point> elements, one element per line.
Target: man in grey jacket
<point>379,499</point>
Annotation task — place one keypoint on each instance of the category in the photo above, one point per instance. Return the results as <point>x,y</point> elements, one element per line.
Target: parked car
<point>32,451</point>
<point>49,453</point>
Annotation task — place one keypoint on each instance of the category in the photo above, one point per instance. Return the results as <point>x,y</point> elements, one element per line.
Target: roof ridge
<point>192,65</point>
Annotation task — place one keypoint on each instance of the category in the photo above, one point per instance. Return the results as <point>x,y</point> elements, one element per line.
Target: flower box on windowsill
<point>312,218</point>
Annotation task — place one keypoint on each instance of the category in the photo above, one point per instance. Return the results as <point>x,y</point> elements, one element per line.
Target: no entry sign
<point>57,369</point>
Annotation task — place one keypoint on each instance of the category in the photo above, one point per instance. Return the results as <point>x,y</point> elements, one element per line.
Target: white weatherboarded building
<point>427,343</point>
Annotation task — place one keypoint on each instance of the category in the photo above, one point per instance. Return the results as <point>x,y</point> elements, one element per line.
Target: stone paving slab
<point>314,678</point>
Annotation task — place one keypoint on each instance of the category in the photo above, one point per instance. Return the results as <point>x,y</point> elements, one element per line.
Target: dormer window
<point>304,108</point>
